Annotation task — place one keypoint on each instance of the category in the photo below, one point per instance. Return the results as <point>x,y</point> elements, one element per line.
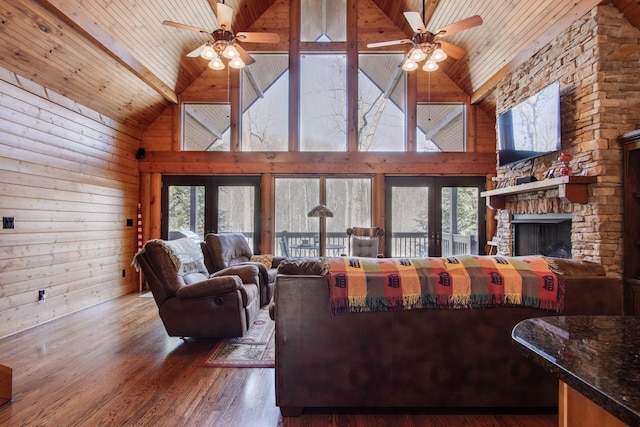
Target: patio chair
<point>365,241</point>
<point>284,246</point>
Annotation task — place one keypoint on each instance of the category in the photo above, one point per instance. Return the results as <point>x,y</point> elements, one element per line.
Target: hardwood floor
<point>115,365</point>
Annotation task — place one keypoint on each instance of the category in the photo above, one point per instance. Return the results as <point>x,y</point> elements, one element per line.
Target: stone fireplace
<point>596,60</point>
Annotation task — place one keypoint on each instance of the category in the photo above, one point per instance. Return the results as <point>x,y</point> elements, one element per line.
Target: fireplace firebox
<point>546,234</point>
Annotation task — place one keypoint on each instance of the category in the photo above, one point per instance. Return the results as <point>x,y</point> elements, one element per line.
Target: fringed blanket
<point>465,281</point>
<point>185,254</point>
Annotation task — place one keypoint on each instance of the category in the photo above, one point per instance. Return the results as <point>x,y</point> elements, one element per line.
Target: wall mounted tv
<point>531,128</point>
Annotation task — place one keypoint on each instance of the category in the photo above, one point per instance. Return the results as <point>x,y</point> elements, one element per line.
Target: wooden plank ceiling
<point>117,58</point>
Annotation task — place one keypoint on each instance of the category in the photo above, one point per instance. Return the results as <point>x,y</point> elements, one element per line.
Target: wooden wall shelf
<point>572,189</point>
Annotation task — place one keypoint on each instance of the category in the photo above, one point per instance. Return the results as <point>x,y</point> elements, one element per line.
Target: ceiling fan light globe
<point>409,65</point>
<point>438,55</point>
<point>216,64</point>
<point>417,55</point>
<point>236,63</point>
<point>430,65</point>
<point>230,52</point>
<point>208,53</point>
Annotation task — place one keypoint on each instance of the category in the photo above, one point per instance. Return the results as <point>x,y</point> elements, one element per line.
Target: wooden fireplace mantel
<point>572,189</point>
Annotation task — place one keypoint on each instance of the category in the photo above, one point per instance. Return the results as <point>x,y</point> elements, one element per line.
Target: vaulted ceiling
<point>117,58</point>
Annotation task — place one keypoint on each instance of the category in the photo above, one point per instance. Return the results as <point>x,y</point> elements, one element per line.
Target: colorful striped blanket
<point>464,281</point>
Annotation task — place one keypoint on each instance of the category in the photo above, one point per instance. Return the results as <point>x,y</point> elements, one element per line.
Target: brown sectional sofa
<point>434,358</point>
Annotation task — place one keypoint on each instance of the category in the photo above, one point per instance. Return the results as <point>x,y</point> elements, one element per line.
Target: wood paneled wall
<point>69,177</point>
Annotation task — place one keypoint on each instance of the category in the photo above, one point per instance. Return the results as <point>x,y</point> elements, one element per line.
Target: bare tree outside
<point>323,100</point>
<point>235,209</point>
<point>381,103</point>
<point>265,104</point>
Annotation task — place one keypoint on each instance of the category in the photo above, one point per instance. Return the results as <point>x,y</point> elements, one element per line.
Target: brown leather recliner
<point>225,250</point>
<point>192,303</point>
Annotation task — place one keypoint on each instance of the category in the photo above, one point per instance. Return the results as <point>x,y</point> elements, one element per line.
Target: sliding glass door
<point>193,206</point>
<point>433,216</point>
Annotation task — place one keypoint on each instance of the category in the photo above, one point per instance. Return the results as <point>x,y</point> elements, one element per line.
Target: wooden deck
<point>114,364</point>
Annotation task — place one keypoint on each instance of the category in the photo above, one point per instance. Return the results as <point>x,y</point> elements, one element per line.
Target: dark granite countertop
<point>599,356</point>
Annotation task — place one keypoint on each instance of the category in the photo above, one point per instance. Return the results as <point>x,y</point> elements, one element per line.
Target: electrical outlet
<point>7,222</point>
<point>42,295</point>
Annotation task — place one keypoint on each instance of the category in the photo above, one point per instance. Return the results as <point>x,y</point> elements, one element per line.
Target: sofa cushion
<point>301,266</point>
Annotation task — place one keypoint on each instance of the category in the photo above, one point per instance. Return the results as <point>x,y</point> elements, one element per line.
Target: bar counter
<point>597,356</point>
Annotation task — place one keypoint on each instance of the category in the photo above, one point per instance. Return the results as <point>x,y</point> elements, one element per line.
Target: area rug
<point>256,349</point>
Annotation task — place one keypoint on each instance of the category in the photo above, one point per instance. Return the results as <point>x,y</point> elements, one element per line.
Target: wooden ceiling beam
<point>73,14</point>
<point>580,9</point>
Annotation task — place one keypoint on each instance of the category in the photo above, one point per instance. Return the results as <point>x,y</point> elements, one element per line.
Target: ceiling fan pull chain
<point>429,97</point>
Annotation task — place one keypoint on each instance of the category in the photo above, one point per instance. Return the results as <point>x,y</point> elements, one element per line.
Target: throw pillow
<point>266,259</point>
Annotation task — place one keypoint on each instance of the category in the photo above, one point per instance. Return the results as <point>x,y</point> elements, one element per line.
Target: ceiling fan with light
<point>428,45</point>
<point>224,42</point>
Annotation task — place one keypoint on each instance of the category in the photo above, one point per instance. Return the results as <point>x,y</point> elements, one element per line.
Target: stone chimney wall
<point>597,61</point>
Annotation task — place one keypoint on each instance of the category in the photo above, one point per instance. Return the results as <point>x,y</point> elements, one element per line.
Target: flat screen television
<point>531,128</point>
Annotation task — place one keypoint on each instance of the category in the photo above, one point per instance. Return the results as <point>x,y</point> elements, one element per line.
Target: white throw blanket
<point>185,254</point>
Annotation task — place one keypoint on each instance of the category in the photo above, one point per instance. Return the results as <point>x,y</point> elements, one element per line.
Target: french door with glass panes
<point>434,216</point>
<point>298,235</point>
<point>195,205</point>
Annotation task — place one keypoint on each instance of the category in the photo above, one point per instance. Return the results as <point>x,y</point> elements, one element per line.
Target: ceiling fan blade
<point>258,37</point>
<point>462,25</point>
<point>196,52</point>
<point>185,27</point>
<point>456,52</point>
<point>414,19</point>
<point>224,15</point>
<point>213,4</point>
<point>389,43</point>
<point>246,58</point>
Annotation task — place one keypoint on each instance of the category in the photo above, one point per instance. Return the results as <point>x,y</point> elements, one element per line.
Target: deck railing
<point>410,244</point>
